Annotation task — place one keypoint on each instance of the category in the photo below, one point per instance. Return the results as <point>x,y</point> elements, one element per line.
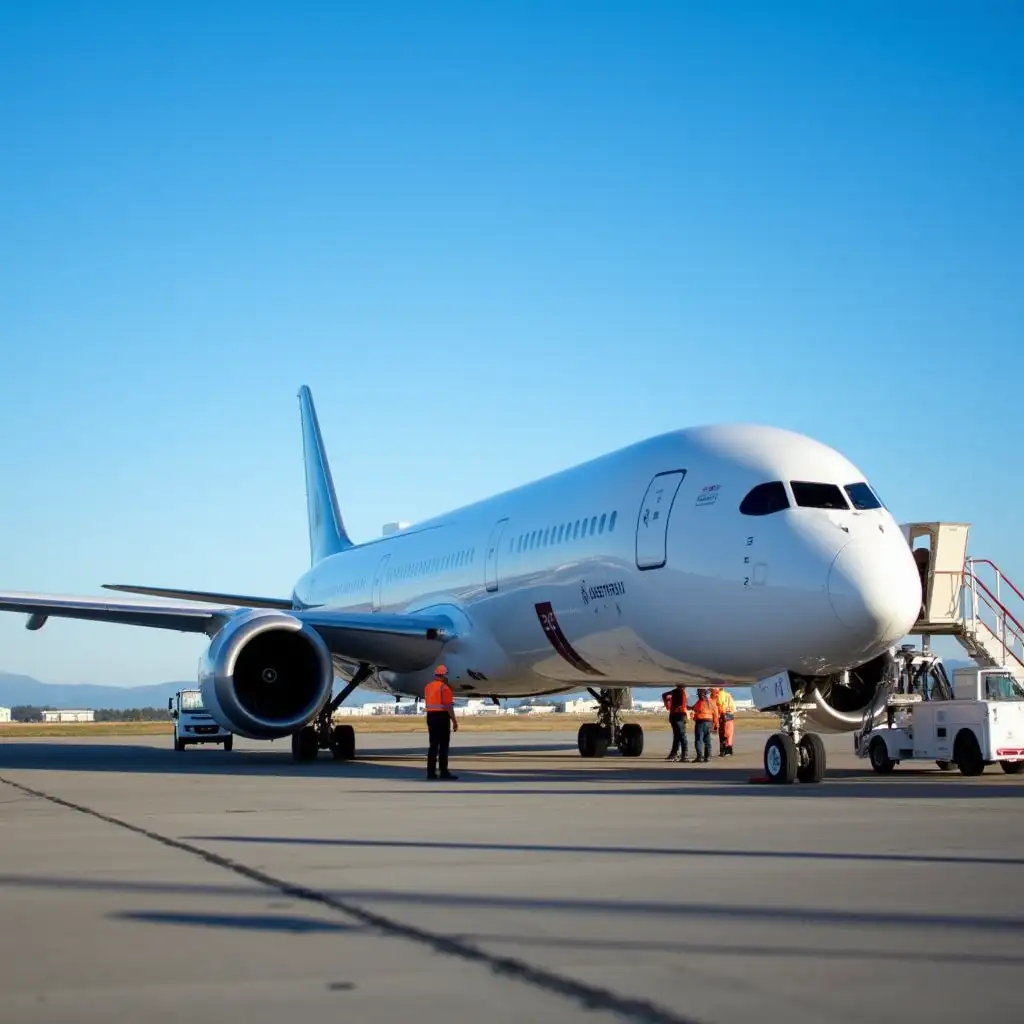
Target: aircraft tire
<point>591,740</point>
<point>812,758</point>
<point>305,745</point>
<point>343,743</point>
<point>781,759</point>
<point>631,740</point>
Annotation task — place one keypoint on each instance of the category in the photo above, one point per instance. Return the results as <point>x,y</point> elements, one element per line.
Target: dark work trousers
<point>702,739</point>
<point>679,744</point>
<point>439,728</point>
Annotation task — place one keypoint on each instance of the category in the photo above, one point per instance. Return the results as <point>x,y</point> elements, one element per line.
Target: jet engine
<point>840,702</point>
<point>265,674</point>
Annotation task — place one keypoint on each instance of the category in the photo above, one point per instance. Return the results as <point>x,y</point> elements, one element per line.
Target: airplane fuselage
<point>639,568</point>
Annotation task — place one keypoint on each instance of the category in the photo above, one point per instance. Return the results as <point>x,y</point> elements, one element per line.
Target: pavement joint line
<point>590,997</point>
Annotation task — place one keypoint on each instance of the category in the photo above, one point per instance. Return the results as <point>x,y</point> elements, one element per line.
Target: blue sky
<point>496,239</point>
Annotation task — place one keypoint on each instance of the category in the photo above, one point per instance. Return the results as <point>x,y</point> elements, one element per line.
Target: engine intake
<point>265,674</point>
<point>841,703</point>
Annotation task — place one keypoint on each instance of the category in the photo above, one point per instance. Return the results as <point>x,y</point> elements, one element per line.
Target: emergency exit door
<point>652,524</point>
<point>378,582</point>
<point>491,561</point>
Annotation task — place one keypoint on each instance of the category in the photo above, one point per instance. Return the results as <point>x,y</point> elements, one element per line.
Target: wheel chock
<point>759,780</point>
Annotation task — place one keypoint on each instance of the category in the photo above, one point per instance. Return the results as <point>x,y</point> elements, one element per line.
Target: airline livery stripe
<point>553,631</point>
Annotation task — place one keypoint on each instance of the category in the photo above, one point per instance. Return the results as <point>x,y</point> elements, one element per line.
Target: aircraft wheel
<point>631,740</point>
<point>812,758</point>
<point>229,743</point>
<point>780,759</point>
<point>1012,767</point>
<point>305,745</point>
<point>343,743</point>
<point>878,755</point>
<point>592,740</point>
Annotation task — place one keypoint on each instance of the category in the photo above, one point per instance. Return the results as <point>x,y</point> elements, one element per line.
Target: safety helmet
<point>441,672</point>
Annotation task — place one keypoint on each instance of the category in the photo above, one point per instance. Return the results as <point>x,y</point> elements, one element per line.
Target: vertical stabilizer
<point>327,534</point>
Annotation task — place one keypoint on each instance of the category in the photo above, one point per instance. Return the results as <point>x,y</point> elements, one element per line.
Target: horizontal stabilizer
<point>204,596</point>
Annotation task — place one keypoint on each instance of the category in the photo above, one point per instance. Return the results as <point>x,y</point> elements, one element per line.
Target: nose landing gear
<point>594,738</point>
<point>792,754</point>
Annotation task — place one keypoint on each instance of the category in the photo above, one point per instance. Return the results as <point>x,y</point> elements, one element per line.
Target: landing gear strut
<point>595,738</point>
<point>792,754</point>
<point>320,734</point>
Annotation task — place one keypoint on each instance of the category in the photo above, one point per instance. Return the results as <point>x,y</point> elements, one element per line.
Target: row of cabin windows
<point>765,499</point>
<point>429,566</point>
<point>563,533</point>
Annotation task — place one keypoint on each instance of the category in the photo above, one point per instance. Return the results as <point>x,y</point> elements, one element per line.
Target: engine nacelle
<point>841,702</point>
<point>265,674</point>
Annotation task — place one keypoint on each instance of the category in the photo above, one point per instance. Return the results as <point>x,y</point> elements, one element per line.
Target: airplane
<point>722,554</point>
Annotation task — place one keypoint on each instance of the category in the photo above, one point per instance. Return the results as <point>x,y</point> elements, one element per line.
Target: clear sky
<point>496,239</point>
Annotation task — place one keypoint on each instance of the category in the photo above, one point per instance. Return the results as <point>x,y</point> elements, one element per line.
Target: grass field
<point>367,724</point>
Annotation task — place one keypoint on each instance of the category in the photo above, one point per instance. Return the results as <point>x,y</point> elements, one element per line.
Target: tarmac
<point>137,883</point>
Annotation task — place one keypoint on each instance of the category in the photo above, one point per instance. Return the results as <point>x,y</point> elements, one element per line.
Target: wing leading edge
<point>402,643</point>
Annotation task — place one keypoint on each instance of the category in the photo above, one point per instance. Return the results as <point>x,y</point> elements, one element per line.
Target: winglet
<point>327,534</point>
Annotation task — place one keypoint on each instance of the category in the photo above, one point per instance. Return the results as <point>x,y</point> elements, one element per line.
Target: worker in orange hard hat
<point>441,721</point>
<point>726,719</point>
<point>705,721</point>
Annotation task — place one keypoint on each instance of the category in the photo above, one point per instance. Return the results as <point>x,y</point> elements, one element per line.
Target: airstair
<point>967,598</point>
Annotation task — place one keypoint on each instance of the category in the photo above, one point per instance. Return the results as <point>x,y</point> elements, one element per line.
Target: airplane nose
<point>875,593</point>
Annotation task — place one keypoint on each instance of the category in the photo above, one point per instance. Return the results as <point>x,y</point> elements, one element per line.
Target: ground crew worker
<point>437,695</point>
<point>675,703</point>
<point>726,720</point>
<point>705,719</point>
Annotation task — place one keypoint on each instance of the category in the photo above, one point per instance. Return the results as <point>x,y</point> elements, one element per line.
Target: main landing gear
<point>595,738</point>
<point>322,734</point>
<point>791,754</point>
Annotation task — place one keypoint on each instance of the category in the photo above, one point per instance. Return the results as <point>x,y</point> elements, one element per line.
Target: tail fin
<point>327,534</point>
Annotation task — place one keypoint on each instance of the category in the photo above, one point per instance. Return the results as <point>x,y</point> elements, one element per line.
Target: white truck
<point>977,721</point>
<point>193,723</point>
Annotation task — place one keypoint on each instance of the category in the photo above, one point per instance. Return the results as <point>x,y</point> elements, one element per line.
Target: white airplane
<point>718,554</point>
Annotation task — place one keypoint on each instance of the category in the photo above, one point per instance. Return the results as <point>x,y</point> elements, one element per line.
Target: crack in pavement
<point>590,997</point>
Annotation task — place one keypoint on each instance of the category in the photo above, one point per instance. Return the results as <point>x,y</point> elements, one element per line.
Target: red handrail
<point>999,572</point>
<point>996,605</point>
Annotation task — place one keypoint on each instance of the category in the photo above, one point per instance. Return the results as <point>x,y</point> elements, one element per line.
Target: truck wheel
<point>878,753</point>
<point>967,754</point>
<point>179,745</point>
<point>944,766</point>
<point>229,742</point>
<point>1012,767</point>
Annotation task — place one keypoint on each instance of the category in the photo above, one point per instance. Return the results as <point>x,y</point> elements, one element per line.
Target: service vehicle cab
<point>193,723</point>
<point>977,721</point>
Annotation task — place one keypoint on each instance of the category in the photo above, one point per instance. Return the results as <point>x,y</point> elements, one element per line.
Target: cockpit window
<point>765,499</point>
<point>862,497</point>
<point>812,495</point>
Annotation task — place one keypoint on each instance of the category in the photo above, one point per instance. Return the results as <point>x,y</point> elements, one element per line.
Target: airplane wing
<point>239,600</point>
<point>403,643</point>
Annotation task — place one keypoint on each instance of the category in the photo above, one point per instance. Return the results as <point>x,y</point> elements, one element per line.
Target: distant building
<point>67,715</point>
<point>5,714</point>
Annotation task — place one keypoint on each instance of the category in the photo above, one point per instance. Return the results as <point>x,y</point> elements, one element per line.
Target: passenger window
<point>583,528</point>
<point>576,530</point>
<point>544,542</point>
<point>862,497</point>
<point>593,525</point>
<point>765,499</point>
<point>561,533</point>
<point>600,525</point>
<point>611,522</point>
<point>815,495</point>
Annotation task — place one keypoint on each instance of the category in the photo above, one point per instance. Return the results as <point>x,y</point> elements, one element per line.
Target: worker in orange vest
<point>705,720</point>
<point>437,695</point>
<point>726,720</point>
<point>675,704</point>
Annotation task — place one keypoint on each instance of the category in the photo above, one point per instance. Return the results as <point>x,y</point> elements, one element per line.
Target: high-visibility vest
<point>725,703</point>
<point>704,710</point>
<point>438,696</point>
<point>674,701</point>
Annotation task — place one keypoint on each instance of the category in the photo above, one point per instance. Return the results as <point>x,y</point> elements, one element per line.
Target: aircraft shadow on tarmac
<point>500,770</point>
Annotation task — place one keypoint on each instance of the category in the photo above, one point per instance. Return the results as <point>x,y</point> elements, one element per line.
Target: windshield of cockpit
<point>767,498</point>
<point>1002,686</point>
<point>191,700</point>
